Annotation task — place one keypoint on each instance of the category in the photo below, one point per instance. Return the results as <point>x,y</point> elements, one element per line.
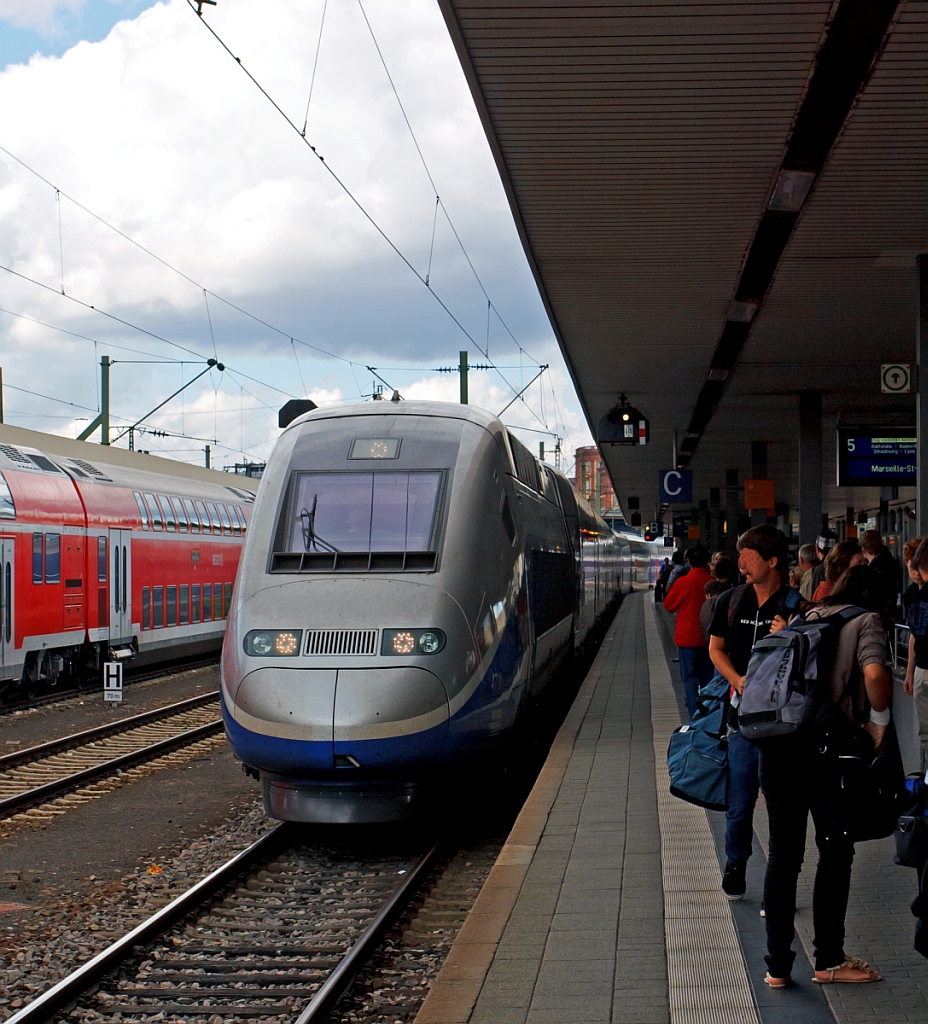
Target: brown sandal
<point>777,982</point>
<point>853,971</point>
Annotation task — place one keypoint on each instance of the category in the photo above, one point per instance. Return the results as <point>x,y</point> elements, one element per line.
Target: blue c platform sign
<point>676,486</point>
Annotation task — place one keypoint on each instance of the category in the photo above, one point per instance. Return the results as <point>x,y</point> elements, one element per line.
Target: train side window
<point>224,516</point>
<point>184,604</point>
<point>214,519</point>
<point>207,602</point>
<point>143,512</point>
<point>227,599</point>
<point>204,515</point>
<point>52,557</point>
<point>157,520</point>
<point>170,523</point>
<point>38,551</point>
<point>116,578</point>
<point>241,515</point>
<point>101,559</point>
<point>192,515</point>
<point>179,514</point>
<point>195,603</point>
<point>172,606</point>
<point>146,608</point>
<point>7,507</point>
<point>157,607</point>
<point>236,522</point>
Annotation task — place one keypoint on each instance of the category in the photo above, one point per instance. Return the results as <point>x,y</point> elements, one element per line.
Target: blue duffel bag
<point>697,758</point>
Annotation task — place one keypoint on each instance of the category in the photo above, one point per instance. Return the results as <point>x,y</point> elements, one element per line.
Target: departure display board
<point>870,456</point>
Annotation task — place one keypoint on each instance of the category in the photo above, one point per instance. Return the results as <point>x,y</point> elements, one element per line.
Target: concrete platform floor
<point>604,904</point>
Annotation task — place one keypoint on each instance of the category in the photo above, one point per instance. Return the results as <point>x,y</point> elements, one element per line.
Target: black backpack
<point>788,681</point>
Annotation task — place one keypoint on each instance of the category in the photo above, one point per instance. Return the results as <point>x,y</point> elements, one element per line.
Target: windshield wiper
<point>311,539</point>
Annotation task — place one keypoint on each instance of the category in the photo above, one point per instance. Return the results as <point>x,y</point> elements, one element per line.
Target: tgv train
<point>107,554</point>
<point>412,581</point>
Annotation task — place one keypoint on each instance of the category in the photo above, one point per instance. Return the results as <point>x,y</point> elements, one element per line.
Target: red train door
<point>7,621</point>
<point>120,585</point>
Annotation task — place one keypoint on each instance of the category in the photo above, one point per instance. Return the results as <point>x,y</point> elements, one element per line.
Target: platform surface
<point>605,906</point>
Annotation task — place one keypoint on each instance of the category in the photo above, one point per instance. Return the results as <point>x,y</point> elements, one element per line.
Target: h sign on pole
<point>676,486</point>
<point>112,681</point>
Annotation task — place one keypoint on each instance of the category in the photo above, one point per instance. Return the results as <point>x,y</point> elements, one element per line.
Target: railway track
<point>36,775</point>
<point>278,932</point>
<point>142,676</point>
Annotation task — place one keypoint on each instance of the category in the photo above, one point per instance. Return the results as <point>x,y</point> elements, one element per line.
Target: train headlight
<point>273,643</point>
<point>403,642</point>
<point>429,643</point>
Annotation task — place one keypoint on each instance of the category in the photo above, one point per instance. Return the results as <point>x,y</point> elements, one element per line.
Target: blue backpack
<point>697,758</point>
<point>787,685</point>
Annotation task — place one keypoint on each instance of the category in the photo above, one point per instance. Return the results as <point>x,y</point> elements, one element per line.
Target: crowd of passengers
<point>722,609</point>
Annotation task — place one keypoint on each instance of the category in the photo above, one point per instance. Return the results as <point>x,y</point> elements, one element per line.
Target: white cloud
<point>158,131</point>
<point>36,14</point>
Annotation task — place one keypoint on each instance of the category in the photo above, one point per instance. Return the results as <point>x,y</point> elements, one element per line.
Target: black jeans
<point>793,783</point>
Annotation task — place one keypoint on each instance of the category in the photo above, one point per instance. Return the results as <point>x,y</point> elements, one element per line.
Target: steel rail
<point>74,985</point>
<point>101,732</point>
<point>333,988</point>
<point>67,991</point>
<point>48,790</point>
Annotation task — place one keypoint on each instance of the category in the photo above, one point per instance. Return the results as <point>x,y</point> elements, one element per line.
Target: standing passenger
<point>742,617</point>
<point>686,598</point>
<point>808,560</point>
<point>916,617</point>
<point>842,557</point>
<point>881,560</point>
<point>795,779</point>
<point>662,577</point>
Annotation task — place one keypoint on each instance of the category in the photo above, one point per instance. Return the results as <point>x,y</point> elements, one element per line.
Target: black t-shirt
<point>749,624</point>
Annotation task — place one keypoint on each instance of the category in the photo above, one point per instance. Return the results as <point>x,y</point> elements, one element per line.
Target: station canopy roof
<point>722,204</point>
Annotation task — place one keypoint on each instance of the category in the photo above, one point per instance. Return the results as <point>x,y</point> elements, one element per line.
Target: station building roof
<point>722,204</point>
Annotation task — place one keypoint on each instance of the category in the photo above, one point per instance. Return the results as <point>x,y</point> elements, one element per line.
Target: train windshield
<point>376,512</point>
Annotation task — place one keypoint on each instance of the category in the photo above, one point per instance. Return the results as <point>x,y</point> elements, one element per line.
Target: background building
<point>592,479</point>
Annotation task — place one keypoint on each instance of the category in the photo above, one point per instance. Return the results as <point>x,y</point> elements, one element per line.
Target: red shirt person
<point>686,598</point>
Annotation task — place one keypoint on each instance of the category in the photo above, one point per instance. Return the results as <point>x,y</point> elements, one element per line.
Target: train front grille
<point>341,641</point>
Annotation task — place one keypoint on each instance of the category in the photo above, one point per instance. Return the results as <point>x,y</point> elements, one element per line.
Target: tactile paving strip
<point>706,972</point>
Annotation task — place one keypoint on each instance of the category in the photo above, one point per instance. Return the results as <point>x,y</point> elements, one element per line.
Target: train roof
<point>448,410</point>
<point>106,455</point>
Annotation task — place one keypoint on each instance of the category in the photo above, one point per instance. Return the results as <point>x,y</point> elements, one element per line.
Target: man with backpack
<point>743,616</point>
<point>816,699</point>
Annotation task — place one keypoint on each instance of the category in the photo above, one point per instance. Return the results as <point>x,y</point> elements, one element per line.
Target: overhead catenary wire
<point>341,184</point>
<point>438,200</point>
<point>312,80</point>
<point>165,263</point>
<point>134,327</point>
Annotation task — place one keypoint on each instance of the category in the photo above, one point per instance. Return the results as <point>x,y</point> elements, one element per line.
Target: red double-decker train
<point>107,554</point>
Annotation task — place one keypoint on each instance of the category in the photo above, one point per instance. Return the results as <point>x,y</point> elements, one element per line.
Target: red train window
<point>192,515</point>
<point>146,608</point>
<point>224,516</point>
<point>214,519</point>
<point>157,607</point>
<point>180,514</point>
<point>204,516</point>
<point>38,551</point>
<point>142,510</point>
<point>170,523</point>
<point>157,520</point>
<point>195,603</point>
<point>101,559</point>
<point>53,558</point>
<point>208,601</point>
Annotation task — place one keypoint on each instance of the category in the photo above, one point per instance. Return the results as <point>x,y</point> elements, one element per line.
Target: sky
<point>156,208</point>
